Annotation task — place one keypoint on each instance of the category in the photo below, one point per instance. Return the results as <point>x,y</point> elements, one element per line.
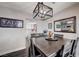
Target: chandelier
<point>42,11</point>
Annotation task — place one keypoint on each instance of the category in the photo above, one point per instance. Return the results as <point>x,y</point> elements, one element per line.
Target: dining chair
<point>74,47</point>
<point>27,44</point>
<point>67,48</point>
<point>70,48</point>
<point>31,48</point>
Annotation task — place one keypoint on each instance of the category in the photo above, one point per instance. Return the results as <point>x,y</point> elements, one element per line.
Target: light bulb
<point>41,11</point>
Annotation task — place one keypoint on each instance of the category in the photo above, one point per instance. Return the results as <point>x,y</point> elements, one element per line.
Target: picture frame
<point>49,25</point>
<point>67,25</point>
<point>10,23</point>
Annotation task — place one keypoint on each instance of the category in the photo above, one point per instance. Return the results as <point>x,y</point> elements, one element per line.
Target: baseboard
<point>10,51</point>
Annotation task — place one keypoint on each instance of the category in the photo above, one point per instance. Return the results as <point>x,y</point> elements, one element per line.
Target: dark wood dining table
<point>48,47</point>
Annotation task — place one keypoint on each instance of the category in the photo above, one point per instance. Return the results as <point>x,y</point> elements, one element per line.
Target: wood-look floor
<point>20,53</point>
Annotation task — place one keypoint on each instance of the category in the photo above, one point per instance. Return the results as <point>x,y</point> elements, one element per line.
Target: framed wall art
<point>49,25</point>
<point>10,23</point>
<point>65,25</point>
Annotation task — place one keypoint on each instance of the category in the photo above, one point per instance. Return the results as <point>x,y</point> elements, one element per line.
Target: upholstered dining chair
<point>31,48</point>
<point>70,48</point>
<point>67,48</point>
<point>74,47</point>
<point>28,45</point>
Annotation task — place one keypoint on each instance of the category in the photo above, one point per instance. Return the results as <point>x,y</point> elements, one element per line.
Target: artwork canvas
<point>34,29</point>
<point>65,25</point>
<point>58,26</point>
<point>49,25</point>
<point>10,23</point>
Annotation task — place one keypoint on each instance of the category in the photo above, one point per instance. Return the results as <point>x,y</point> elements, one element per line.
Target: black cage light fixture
<point>42,11</point>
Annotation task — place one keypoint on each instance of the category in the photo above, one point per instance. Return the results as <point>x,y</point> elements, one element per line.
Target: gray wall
<point>12,39</point>
<point>69,12</point>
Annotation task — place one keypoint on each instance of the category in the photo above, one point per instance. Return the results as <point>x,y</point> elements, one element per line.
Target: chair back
<point>70,48</point>
<point>73,51</point>
<point>67,48</point>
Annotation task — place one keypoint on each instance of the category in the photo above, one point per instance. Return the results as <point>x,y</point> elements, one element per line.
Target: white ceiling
<point>28,7</point>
